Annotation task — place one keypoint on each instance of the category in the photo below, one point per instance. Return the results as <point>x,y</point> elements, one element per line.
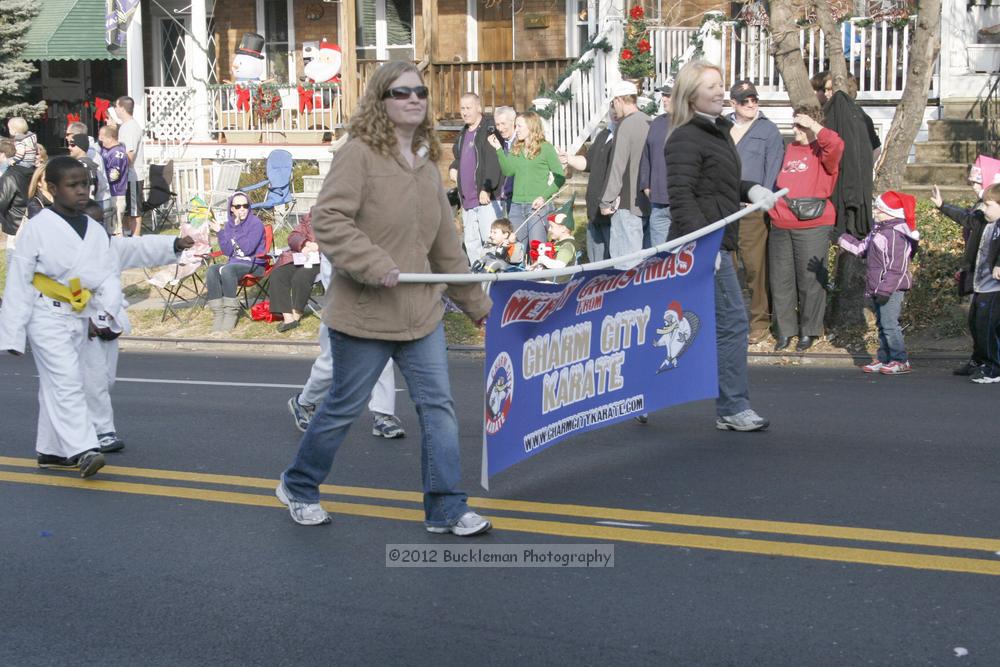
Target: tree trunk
<point>788,55</point>
<point>910,112</point>
<point>834,45</point>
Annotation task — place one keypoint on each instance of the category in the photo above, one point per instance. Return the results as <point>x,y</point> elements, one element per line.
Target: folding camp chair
<point>279,200</point>
<point>250,280</point>
<point>225,181</point>
<point>180,283</point>
<point>161,201</point>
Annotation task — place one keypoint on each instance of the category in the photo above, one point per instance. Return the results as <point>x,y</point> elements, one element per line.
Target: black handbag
<point>454,198</point>
<point>806,208</point>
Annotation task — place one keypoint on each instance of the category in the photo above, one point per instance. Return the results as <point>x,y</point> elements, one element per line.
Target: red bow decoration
<point>101,107</point>
<point>539,248</point>
<point>307,98</point>
<point>242,98</point>
<point>72,118</point>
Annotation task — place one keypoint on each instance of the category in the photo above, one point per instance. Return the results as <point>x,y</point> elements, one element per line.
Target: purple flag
<point>117,16</point>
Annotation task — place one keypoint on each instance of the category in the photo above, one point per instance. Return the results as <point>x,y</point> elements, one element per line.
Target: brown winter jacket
<point>374,214</point>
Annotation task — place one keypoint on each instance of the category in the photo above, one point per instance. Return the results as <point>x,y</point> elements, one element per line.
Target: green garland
<point>579,65</point>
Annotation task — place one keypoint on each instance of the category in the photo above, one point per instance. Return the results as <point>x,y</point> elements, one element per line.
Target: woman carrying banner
<point>705,186</point>
<point>382,211</point>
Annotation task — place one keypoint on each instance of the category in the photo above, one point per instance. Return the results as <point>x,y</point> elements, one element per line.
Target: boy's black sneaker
<point>109,442</point>
<point>985,376</point>
<point>966,369</point>
<point>90,462</point>
<point>51,461</point>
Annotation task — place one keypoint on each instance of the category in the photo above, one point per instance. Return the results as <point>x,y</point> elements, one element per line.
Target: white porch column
<point>198,69</point>
<point>612,16</point>
<point>136,84</point>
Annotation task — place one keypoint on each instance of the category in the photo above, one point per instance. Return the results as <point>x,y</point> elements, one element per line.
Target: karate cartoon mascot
<point>498,395</point>
<point>248,68</point>
<point>678,331</point>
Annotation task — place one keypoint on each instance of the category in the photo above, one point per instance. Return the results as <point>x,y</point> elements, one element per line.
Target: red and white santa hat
<point>676,307</point>
<point>899,205</point>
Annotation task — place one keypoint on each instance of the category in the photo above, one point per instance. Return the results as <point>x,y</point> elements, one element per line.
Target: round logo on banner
<point>499,392</point>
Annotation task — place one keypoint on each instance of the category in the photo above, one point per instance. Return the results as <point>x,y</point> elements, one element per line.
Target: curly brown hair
<point>370,122</point>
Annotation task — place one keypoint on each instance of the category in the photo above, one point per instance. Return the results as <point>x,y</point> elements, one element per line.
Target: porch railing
<point>498,83</point>
<point>877,54</point>
<point>287,116</point>
<point>669,44</point>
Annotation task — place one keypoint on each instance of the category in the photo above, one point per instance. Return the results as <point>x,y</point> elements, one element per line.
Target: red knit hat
<point>899,205</point>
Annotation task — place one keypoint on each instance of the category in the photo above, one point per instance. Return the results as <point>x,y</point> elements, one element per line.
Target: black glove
<point>182,243</point>
<point>108,334</point>
<point>881,299</point>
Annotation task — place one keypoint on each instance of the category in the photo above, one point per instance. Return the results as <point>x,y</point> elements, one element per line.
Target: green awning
<point>68,30</point>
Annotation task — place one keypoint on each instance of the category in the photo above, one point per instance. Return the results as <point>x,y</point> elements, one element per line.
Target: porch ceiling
<point>68,30</point>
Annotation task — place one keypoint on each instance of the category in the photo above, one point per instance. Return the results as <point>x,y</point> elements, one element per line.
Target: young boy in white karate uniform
<point>61,274</point>
<point>385,424</point>
<point>100,352</point>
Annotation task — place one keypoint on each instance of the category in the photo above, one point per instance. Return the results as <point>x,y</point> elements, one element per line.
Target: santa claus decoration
<point>325,67</point>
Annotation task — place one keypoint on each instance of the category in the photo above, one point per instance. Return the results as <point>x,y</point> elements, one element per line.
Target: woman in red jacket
<point>291,282</point>
<point>800,231</point>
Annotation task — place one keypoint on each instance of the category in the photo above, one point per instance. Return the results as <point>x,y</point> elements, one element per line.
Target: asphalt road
<point>860,529</point>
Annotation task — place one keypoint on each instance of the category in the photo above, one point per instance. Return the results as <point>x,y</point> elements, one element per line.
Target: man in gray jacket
<point>627,205</point>
<point>761,149</point>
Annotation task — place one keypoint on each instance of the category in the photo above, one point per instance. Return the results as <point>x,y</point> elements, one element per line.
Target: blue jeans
<point>626,233</point>
<point>476,224</point>
<point>357,364</point>
<point>223,279</point>
<point>890,335</point>
<point>731,340</point>
<point>659,224</point>
<point>536,229</point>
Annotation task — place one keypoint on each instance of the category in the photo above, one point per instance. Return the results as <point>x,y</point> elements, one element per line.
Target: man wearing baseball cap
<point>622,199</point>
<point>761,149</point>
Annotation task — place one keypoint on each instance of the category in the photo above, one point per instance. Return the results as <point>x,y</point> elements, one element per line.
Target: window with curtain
<point>385,29</point>
<point>276,39</point>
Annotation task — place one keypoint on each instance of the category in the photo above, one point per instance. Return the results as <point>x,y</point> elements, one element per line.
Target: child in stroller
<point>503,252</point>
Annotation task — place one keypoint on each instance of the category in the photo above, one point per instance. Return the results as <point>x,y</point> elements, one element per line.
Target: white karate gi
<point>383,398</point>
<point>100,357</point>
<point>48,245</point>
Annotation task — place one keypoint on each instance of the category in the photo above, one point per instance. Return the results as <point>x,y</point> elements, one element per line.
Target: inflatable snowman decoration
<point>248,68</point>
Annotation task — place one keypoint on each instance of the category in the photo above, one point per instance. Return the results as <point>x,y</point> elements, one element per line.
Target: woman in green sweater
<point>530,162</point>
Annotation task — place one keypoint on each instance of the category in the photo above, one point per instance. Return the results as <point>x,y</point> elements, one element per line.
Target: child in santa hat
<point>888,249</point>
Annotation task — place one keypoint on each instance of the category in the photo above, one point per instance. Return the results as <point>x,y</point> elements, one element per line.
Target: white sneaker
<point>748,420</point>
<point>305,514</point>
<point>470,524</point>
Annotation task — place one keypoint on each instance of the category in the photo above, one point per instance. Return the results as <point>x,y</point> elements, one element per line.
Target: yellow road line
<point>583,511</point>
<point>638,536</point>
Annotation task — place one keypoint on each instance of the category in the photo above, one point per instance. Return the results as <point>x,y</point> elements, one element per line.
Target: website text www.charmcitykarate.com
<point>603,413</point>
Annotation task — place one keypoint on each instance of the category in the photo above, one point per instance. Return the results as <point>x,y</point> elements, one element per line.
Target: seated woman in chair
<point>291,281</point>
<point>242,241</point>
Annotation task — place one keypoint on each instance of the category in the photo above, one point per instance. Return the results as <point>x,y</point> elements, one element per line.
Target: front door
<point>495,39</point>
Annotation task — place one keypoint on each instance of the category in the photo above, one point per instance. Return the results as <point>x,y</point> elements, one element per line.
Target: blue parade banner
<point>563,359</point>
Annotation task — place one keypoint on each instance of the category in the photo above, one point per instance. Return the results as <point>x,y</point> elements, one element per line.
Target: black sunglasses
<point>241,205</point>
<point>401,93</point>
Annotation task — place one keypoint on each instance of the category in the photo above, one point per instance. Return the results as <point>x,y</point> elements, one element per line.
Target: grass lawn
<point>932,308</point>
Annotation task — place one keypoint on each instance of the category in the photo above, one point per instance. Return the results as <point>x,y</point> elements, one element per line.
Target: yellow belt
<point>75,295</point>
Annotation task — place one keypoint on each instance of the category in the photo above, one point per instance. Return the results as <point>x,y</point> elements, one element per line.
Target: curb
<point>296,347</point>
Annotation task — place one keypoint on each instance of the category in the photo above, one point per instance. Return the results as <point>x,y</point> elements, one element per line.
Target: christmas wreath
<point>267,103</point>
